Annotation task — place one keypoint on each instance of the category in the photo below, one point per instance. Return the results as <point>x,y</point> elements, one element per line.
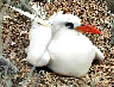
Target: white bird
<point>71,53</point>
<point>61,47</point>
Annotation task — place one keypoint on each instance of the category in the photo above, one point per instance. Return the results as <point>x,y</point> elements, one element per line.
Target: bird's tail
<point>99,54</point>
<point>27,14</point>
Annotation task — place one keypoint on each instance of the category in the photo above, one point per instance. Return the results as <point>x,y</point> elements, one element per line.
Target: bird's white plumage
<point>58,20</point>
<point>62,18</point>
<point>39,36</point>
<point>71,55</point>
<point>71,52</point>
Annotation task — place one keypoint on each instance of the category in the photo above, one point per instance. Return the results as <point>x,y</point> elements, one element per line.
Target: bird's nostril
<point>82,24</point>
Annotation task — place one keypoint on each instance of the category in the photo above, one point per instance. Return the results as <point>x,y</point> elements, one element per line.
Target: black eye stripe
<point>36,0</point>
<point>69,25</point>
<point>39,23</point>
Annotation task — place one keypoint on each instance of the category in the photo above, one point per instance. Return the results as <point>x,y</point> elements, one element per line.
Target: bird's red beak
<point>88,28</point>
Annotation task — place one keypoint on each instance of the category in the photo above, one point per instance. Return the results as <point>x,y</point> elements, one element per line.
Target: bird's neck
<point>62,31</point>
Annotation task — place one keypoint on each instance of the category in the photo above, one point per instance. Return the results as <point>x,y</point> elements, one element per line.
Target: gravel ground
<point>15,37</point>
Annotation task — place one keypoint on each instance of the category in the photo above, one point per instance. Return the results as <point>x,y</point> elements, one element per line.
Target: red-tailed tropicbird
<point>68,51</point>
<point>71,52</point>
<point>62,47</point>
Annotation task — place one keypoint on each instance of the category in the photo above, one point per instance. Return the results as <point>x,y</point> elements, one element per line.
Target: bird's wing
<point>99,54</point>
<point>37,53</point>
<point>44,59</point>
<point>36,58</point>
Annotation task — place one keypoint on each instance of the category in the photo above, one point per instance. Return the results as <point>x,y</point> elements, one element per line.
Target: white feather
<point>39,37</point>
<point>27,14</point>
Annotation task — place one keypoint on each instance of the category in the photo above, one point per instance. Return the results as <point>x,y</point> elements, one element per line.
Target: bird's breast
<point>71,53</point>
<point>71,47</point>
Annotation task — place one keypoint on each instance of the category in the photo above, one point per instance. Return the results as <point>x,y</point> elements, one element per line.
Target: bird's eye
<point>69,25</point>
<point>38,23</point>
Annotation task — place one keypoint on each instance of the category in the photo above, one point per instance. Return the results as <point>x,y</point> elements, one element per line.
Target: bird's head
<point>72,22</point>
